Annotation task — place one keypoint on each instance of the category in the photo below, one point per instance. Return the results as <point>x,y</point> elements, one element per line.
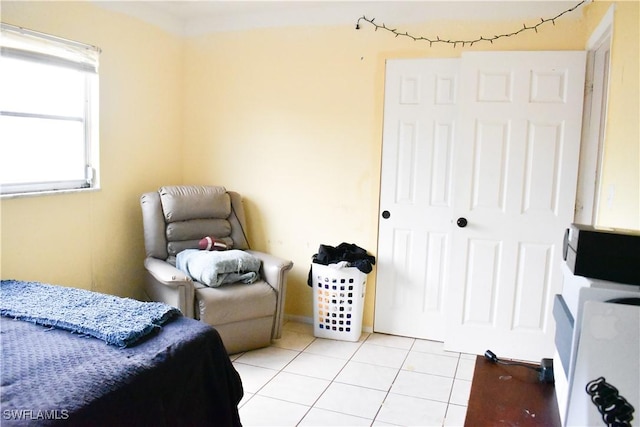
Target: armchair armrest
<point>274,272</point>
<point>167,284</point>
<point>273,268</point>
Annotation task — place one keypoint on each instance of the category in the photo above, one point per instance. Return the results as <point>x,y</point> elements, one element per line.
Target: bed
<point>178,374</point>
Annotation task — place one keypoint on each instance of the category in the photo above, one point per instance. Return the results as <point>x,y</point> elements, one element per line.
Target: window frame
<point>38,48</point>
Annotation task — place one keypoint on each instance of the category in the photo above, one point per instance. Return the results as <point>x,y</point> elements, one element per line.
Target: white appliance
<point>601,265</point>
<point>569,313</point>
<point>608,349</point>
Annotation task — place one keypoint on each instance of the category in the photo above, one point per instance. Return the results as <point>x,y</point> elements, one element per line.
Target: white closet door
<point>516,166</point>
<point>416,197</point>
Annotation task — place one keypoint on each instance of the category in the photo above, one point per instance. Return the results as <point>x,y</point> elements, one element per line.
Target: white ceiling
<point>193,17</point>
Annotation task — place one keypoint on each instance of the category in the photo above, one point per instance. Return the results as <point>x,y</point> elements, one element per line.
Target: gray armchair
<point>176,218</point>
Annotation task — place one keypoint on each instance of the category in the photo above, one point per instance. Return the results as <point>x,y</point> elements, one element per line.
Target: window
<point>48,113</point>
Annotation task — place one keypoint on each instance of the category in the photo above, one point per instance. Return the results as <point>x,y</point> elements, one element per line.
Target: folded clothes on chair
<point>216,268</point>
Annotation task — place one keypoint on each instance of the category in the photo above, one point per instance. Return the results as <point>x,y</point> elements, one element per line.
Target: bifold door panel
<point>480,159</point>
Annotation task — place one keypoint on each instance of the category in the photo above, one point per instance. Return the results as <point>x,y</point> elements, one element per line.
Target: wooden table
<point>510,395</point>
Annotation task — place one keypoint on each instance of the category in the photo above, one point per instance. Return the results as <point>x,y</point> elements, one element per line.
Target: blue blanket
<point>118,321</point>
<point>181,376</point>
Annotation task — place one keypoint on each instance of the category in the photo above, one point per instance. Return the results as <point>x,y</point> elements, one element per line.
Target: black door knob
<point>386,214</point>
<point>462,222</point>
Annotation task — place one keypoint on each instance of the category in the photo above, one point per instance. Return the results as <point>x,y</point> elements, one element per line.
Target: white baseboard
<point>309,321</point>
<point>298,319</point>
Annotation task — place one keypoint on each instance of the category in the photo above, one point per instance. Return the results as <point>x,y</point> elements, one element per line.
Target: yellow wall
<point>291,118</point>
<point>620,186</point>
<point>94,240</point>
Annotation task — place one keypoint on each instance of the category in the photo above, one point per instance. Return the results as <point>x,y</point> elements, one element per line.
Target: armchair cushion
<point>217,268</point>
<point>181,203</point>
<point>234,302</point>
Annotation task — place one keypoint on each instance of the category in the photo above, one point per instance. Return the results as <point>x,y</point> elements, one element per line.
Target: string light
<point>464,43</point>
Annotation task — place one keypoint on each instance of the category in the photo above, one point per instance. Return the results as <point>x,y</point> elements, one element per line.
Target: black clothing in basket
<point>354,255</point>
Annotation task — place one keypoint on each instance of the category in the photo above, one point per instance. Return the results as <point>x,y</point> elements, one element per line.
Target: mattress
<point>179,376</point>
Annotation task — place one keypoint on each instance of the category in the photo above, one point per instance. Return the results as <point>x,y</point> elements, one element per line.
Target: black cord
<point>469,42</point>
<point>492,357</point>
<point>502,362</point>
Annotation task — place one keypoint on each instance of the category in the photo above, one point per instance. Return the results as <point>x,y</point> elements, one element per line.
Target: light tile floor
<point>381,380</point>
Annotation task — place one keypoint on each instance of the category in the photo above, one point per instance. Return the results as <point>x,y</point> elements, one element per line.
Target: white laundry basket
<point>338,302</point>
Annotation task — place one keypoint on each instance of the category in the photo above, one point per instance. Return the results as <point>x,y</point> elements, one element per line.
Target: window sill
<point>47,193</point>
